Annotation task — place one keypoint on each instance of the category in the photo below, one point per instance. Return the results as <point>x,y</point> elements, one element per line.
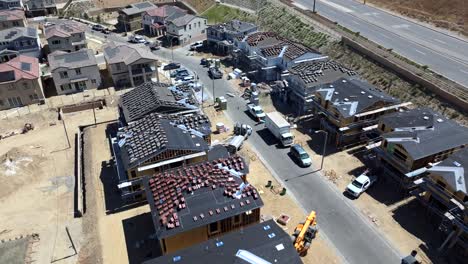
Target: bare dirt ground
<point>449,14</point>
<point>37,184</point>
<point>275,205</point>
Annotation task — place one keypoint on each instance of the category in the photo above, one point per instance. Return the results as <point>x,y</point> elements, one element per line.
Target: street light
<point>324,146</point>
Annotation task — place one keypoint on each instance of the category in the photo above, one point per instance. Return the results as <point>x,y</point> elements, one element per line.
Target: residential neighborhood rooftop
<point>21,67</point>
<point>16,32</point>
<point>262,39</point>
<point>181,20</point>
<point>197,195</point>
<point>314,73</point>
<point>156,97</point>
<point>11,15</point>
<point>409,120</point>
<point>76,59</point>
<point>136,8</point>
<point>443,135</point>
<point>151,135</point>
<point>454,170</point>
<point>123,52</point>
<point>353,96</point>
<point>64,29</point>
<point>166,11</point>
<point>190,121</point>
<point>288,49</point>
<point>266,240</point>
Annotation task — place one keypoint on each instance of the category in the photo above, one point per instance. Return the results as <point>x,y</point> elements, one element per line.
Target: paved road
<point>444,54</point>
<point>349,232</point>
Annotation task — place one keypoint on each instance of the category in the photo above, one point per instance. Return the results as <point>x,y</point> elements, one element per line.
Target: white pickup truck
<point>256,111</point>
<point>361,184</point>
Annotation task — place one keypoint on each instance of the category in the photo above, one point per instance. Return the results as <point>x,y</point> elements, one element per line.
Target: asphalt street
<point>443,53</point>
<point>352,235</point>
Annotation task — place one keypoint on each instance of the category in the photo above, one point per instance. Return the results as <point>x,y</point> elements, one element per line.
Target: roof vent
<point>369,96</point>
<point>346,99</point>
<point>425,117</point>
<point>198,144</point>
<point>344,81</point>
<point>336,92</point>
<point>271,235</point>
<point>456,164</point>
<point>176,258</point>
<point>362,92</point>
<point>439,120</point>
<point>219,244</point>
<point>460,179</point>
<point>279,247</point>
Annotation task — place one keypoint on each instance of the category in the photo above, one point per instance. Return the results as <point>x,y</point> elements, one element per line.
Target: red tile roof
<point>13,14</point>
<point>64,30</point>
<point>19,66</point>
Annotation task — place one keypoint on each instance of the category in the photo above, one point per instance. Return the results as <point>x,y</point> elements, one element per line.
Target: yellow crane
<point>304,233</point>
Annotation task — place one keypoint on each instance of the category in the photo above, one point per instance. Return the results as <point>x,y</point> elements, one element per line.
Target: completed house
<point>154,97</point>
<point>36,8</point>
<point>12,18</point>
<point>221,37</point>
<point>194,203</point>
<point>129,18</point>
<point>130,65</point>
<point>414,140</point>
<point>75,71</point>
<point>269,54</point>
<point>266,242</point>
<point>154,20</point>
<point>24,40</point>
<point>185,29</point>
<point>304,78</point>
<point>20,82</point>
<point>11,4</point>
<point>444,192</point>
<point>154,144</point>
<point>350,108</point>
<point>67,37</point>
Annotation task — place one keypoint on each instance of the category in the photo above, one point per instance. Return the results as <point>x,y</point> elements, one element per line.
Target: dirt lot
<point>37,181</point>
<point>449,14</point>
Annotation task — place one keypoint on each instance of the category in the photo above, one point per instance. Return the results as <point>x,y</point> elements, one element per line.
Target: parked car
<point>256,111</point>
<point>361,184</point>
<point>98,27</point>
<point>215,73</point>
<point>300,155</point>
<point>204,62</point>
<point>155,45</point>
<point>185,78</point>
<point>106,31</point>
<point>171,66</point>
<point>179,72</point>
<point>136,39</point>
<point>196,45</point>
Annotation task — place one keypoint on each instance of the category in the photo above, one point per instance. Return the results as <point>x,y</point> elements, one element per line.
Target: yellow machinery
<point>304,233</point>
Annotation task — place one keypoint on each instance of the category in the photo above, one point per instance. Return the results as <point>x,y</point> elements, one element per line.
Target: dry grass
<point>450,14</point>
<point>200,5</point>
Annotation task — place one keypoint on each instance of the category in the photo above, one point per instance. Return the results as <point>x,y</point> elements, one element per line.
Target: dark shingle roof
<point>314,73</point>
<point>444,134</point>
<point>196,121</point>
<point>138,8</point>
<point>150,136</point>
<point>454,170</point>
<point>263,39</point>
<point>256,239</point>
<point>197,195</point>
<point>76,59</point>
<point>156,97</point>
<point>234,27</point>
<point>353,96</point>
<point>420,117</point>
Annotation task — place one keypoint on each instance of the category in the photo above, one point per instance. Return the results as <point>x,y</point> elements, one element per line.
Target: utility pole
<point>94,114</point>
<point>214,98</point>
<point>324,146</point>
<point>313,9</point>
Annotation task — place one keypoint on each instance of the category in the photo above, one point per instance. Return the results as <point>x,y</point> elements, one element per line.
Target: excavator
<point>304,233</point>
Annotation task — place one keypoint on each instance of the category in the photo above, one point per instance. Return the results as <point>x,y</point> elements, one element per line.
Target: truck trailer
<point>280,128</point>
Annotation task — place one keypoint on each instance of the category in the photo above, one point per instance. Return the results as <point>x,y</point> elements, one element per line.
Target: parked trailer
<point>279,127</point>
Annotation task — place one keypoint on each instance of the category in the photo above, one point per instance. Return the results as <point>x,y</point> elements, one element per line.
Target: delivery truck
<point>280,128</point>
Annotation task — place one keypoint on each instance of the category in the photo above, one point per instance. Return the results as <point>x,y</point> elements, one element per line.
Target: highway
<point>443,53</point>
<point>353,236</point>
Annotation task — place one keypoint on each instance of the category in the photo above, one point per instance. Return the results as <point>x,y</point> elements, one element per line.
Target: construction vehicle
<point>304,233</point>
